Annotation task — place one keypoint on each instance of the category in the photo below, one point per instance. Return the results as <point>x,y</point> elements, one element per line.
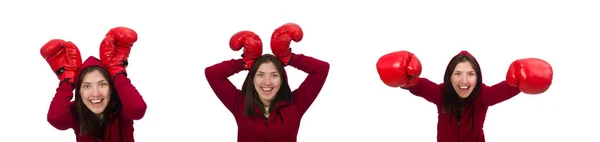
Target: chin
<point>98,111</point>
<point>268,99</point>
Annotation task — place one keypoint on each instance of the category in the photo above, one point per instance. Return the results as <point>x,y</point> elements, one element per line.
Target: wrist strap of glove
<point>69,81</point>
<point>291,57</point>
<point>122,72</point>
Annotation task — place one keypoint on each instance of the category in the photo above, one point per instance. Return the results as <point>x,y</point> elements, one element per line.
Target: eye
<point>457,73</point>
<point>472,74</point>
<point>274,75</point>
<point>259,75</point>
<point>103,84</point>
<point>86,86</point>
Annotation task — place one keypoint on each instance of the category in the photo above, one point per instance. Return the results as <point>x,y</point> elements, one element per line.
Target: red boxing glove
<point>531,75</point>
<point>252,46</point>
<point>115,48</point>
<point>399,69</point>
<point>281,39</point>
<point>63,57</point>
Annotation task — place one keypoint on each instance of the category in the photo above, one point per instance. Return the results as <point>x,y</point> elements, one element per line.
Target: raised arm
<point>218,78</point>
<point>497,93</point>
<point>64,60</point>
<point>428,90</point>
<point>308,91</point>
<point>59,114</point>
<point>134,106</point>
<point>218,75</point>
<point>114,53</point>
<point>317,70</point>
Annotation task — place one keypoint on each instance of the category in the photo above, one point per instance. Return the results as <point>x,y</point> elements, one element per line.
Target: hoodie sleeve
<point>498,93</point>
<point>428,90</point>
<point>308,91</point>
<point>59,114</point>
<point>134,106</point>
<point>217,76</point>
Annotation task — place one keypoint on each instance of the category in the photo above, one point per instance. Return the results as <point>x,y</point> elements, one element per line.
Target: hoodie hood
<point>477,70</point>
<point>89,62</point>
<point>464,53</point>
<point>92,61</point>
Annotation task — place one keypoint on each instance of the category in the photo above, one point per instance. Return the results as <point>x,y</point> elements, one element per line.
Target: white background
<point>177,40</point>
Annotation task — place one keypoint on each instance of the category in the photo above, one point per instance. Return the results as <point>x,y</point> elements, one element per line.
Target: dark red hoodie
<point>470,126</point>
<point>282,125</point>
<point>61,114</point>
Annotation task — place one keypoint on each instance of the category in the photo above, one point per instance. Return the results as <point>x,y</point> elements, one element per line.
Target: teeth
<point>463,87</point>
<point>96,101</point>
<point>267,89</point>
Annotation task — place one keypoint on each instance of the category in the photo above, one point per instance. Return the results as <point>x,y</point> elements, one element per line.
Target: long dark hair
<point>89,122</point>
<point>252,99</point>
<point>451,99</point>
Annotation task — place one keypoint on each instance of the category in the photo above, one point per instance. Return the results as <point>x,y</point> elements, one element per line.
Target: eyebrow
<point>91,83</point>
<point>271,72</point>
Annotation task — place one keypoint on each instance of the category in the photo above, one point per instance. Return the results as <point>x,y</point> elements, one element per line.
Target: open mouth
<point>464,87</point>
<point>96,102</point>
<point>267,89</point>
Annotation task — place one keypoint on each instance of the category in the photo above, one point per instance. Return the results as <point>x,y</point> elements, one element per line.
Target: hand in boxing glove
<point>281,39</point>
<point>399,69</point>
<point>530,75</point>
<point>115,48</point>
<point>251,43</point>
<point>64,59</point>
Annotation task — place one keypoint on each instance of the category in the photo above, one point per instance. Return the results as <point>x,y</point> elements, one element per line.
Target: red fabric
<point>449,128</point>
<point>61,114</point>
<point>282,125</point>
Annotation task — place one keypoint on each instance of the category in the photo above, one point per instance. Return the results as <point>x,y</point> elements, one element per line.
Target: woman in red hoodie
<point>106,103</point>
<point>266,109</point>
<point>463,99</point>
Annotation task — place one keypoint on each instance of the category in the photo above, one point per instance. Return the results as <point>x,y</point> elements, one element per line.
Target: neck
<point>100,115</point>
<point>267,110</point>
<point>266,103</point>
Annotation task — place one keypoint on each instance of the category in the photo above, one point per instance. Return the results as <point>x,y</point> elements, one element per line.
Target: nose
<point>96,92</point>
<point>268,81</point>
<point>464,79</point>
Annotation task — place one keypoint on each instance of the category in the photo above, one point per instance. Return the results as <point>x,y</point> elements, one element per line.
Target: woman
<point>463,99</point>
<point>106,103</point>
<point>265,108</point>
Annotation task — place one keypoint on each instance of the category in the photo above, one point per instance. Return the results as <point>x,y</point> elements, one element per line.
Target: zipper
<point>266,128</point>
<point>458,132</point>
<point>462,111</point>
<point>458,125</point>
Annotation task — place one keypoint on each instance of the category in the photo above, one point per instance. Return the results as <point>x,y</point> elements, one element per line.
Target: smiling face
<point>267,82</point>
<point>95,92</point>
<point>464,79</point>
